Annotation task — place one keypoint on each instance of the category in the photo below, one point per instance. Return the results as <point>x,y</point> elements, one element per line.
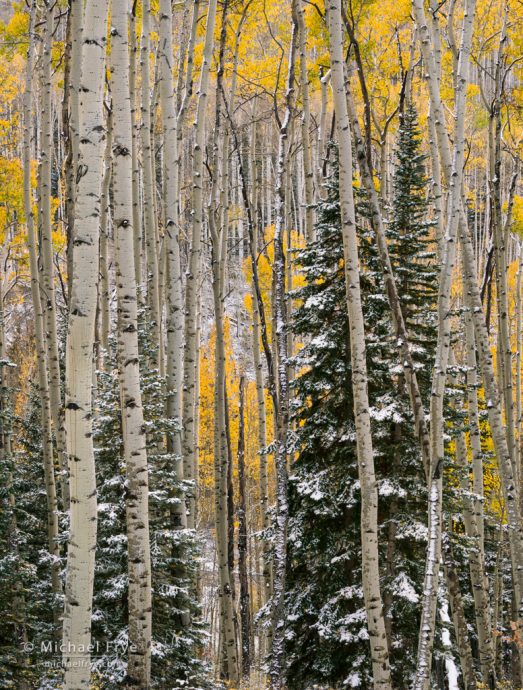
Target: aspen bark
<point>222,454</point>
<point>104,295</point>
<point>369,509</point>
<point>71,112</point>
<point>243,540</point>
<point>134,440</point>
<point>260,404</point>
<point>41,350</point>
<point>149,190</point>
<point>280,340</point>
<point>458,617</point>
<point>46,253</point>
<point>137,216</point>
<point>510,490</point>
<point>174,318</point>
<point>193,269</point>
<point>437,452</point>
<point>305,127</point>
<point>79,357</point>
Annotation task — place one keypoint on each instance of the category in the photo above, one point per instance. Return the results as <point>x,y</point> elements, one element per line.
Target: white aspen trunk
<point>149,190</point>
<point>71,114</point>
<point>504,353</point>
<point>104,294</point>
<point>519,346</point>
<point>510,490</point>
<point>260,391</point>
<point>474,429</point>
<point>280,341</point>
<point>46,253</point>
<point>133,430</point>
<point>458,617</point>
<point>437,451</point>
<point>41,351</point>
<point>174,319</point>
<point>79,358</point>
<point>322,130</point>
<point>218,228</point>
<point>369,498</point>
<point>305,127</point>
<point>193,269</point>
<point>137,216</point>
<point>477,569</point>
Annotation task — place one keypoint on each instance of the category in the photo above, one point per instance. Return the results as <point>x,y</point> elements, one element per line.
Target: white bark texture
<point>369,499</point>
<point>174,319</point>
<point>79,357</point>
<point>134,438</point>
<point>41,351</point>
<point>193,269</point>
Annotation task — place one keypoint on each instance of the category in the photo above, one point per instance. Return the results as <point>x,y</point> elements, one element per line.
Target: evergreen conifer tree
<point>327,630</point>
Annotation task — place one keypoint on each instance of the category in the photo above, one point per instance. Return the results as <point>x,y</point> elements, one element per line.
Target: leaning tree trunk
<point>79,357</point>
<point>369,498</point>
<point>437,451</point>
<point>133,431</point>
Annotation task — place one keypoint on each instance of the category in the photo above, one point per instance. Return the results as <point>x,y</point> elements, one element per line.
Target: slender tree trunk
<point>149,190</point>
<point>437,452</point>
<point>134,440</point>
<point>305,127</point>
<point>281,411</point>
<point>458,617</point>
<point>41,351</point>
<point>104,295</point>
<point>79,358</point>
<point>137,216</point>
<point>46,252</point>
<point>72,79</point>
<point>193,269</point>
<point>243,540</point>
<point>174,320</point>
<point>369,498</point>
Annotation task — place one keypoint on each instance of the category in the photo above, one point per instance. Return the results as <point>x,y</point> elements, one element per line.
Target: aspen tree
<point>305,126</point>
<point>428,616</point>
<point>473,294</point>
<point>134,448</point>
<point>137,216</point>
<point>369,517</point>
<point>280,341</point>
<point>174,318</point>
<point>71,115</point>
<point>104,311</point>
<point>245,613</point>
<point>41,350</point>
<point>193,268</point>
<point>79,357</point>
<point>149,188</point>
<point>46,252</point>
<point>222,454</point>
<point>260,389</point>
